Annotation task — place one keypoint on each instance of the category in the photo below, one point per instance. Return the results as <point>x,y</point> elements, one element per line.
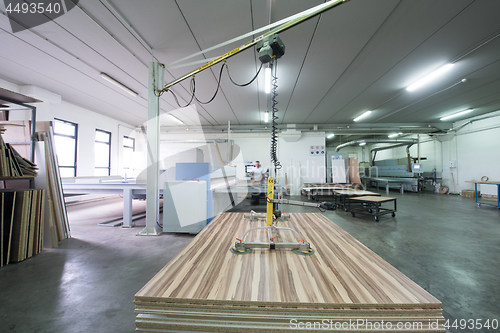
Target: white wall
<point>297,162</point>
<point>429,148</point>
<point>88,121</point>
<point>294,156</point>
<point>473,150</point>
<point>351,151</point>
<point>476,152</point>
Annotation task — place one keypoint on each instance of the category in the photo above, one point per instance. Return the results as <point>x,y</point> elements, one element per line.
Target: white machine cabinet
<point>184,206</point>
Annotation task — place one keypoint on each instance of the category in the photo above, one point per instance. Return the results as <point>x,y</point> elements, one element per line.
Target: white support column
<point>156,82</point>
<point>127,208</point>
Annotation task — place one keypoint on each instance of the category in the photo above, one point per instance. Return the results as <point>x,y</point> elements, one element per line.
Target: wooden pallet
<point>207,288</point>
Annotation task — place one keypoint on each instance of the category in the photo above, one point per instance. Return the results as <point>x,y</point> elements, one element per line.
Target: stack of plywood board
<point>21,224</point>
<point>342,287</point>
<point>12,164</point>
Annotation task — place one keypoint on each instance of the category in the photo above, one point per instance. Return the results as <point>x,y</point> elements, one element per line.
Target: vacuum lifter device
<point>270,48</point>
<point>272,218</point>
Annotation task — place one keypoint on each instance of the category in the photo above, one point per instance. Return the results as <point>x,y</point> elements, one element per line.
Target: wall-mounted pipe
<point>407,143</point>
<point>397,142</point>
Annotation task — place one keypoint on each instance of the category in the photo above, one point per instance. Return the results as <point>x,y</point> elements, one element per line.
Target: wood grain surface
<point>373,199</point>
<point>206,288</point>
<point>342,271</point>
<point>355,192</point>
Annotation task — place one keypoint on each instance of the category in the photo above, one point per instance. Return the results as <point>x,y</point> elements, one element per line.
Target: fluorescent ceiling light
<point>8,108</point>
<point>430,77</point>
<point>329,136</point>
<point>266,116</point>
<point>118,84</point>
<point>177,120</point>
<point>362,116</point>
<point>393,135</point>
<point>267,78</point>
<point>362,143</point>
<point>457,114</point>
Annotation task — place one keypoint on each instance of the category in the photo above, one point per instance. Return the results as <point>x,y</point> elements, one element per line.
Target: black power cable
<point>244,84</point>
<point>193,87</point>
<point>216,91</point>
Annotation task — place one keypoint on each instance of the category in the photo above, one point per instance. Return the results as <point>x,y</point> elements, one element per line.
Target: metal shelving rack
<point>10,97</point>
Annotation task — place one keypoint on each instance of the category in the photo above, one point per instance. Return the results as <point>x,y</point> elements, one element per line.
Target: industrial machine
<point>395,173</point>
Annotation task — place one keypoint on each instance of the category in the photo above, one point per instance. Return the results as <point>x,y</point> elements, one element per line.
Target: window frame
<point>109,147</point>
<point>74,167</point>
<point>127,147</point>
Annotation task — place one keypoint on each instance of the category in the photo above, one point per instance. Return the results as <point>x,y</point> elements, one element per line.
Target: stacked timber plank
<point>342,287</point>
<point>58,217</point>
<point>12,164</point>
<point>21,224</point>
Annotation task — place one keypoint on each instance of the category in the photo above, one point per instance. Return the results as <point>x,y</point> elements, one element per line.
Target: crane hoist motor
<point>269,48</point>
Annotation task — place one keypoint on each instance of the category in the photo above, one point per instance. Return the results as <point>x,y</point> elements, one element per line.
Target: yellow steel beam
<point>281,28</point>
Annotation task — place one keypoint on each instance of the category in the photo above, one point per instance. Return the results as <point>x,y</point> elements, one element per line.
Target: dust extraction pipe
<point>397,142</point>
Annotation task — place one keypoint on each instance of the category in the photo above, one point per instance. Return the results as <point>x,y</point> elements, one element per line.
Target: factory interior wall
<point>474,150</point>
<point>352,151</point>
<point>253,147</point>
<point>298,163</point>
<point>177,147</point>
<point>430,149</point>
<point>294,156</point>
<point>88,121</point>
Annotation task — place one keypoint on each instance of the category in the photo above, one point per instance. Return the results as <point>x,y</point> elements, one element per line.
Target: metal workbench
<point>482,202</point>
<point>340,196</point>
<point>370,205</point>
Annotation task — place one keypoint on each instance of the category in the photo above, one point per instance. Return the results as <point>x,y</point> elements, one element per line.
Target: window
<point>102,151</point>
<point>65,137</point>
<point>128,150</point>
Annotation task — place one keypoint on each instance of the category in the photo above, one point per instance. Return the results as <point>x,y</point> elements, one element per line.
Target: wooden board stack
<point>12,164</point>
<point>58,217</point>
<point>342,287</point>
<point>21,224</point>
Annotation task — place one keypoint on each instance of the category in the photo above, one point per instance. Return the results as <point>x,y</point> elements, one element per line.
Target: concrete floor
<point>444,243</point>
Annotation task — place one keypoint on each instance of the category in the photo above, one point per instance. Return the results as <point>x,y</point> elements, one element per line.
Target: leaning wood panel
<point>2,214</point>
<point>9,201</point>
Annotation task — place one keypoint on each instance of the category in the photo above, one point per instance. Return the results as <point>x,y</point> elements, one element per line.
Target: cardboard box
<point>470,194</point>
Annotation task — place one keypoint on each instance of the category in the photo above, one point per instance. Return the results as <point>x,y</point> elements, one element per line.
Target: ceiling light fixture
<point>8,108</point>
<point>267,78</point>
<point>266,116</point>
<point>393,135</point>
<point>177,120</point>
<point>457,114</point>
<point>362,143</point>
<point>118,84</point>
<point>329,136</point>
<point>362,116</point>
<point>430,77</point>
